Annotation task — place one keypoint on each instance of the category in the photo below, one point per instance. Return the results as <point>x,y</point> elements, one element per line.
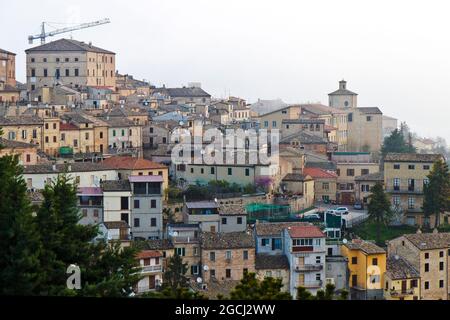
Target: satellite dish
<point>181,123</point>
<point>175,233</point>
<point>199,280</point>
<point>344,241</point>
<point>206,268</point>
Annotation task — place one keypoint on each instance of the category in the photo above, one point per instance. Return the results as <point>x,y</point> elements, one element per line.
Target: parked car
<point>358,206</point>
<point>342,210</point>
<point>311,216</point>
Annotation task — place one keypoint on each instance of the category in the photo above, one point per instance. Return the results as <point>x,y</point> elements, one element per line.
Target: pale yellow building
<point>402,280</point>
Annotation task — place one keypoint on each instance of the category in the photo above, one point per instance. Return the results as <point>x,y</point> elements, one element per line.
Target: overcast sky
<point>394,54</point>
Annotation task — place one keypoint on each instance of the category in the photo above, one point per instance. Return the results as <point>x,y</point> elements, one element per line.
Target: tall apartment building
<point>405,175</point>
<point>69,62</point>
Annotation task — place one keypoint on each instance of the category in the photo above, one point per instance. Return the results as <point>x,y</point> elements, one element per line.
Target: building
<point>428,253</point>
<point>233,218</point>
<point>227,256</point>
<point>404,178</point>
<point>151,263</point>
<point>367,266</point>
<point>90,203</point>
<point>269,236</point>
<point>70,62</point>
<point>8,68</point>
<point>27,129</point>
<point>325,182</point>
<point>123,135</point>
<point>185,95</point>
<point>28,154</point>
<point>116,201</point>
<point>365,129</point>
<point>186,240</point>
<point>147,194</point>
<point>301,185</point>
<point>364,185</point>
<point>402,280</point>
<point>203,213</point>
<point>274,266</point>
<point>305,250</point>
<point>389,125</point>
<point>343,98</point>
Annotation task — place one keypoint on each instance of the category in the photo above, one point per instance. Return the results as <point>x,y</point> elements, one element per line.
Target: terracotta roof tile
<point>307,231</point>
<point>149,254</point>
<point>319,173</point>
<point>131,163</point>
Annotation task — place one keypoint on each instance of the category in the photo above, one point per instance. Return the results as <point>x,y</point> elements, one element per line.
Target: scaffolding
<point>270,212</point>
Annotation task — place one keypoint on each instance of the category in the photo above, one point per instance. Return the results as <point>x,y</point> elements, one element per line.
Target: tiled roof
<point>15,144</point>
<point>67,45</point>
<point>228,240</point>
<point>9,88</point>
<point>305,138</point>
<point>202,205</point>
<point>67,126</point>
<point>271,261</point>
<point>303,121</point>
<point>412,157</point>
<point>20,120</point>
<point>426,241</point>
<point>365,246</point>
<point>296,177</point>
<point>90,191</point>
<point>320,109</point>
<point>377,176</point>
<point>7,52</point>
<point>306,231</point>
<point>340,92</point>
<point>318,173</point>
<point>274,228</point>
<point>131,163</point>
<point>398,268</point>
<point>156,244</point>
<point>326,165</point>
<point>116,185</point>
<point>59,168</point>
<point>369,110</point>
<point>145,178</point>
<point>187,92</point>
<point>148,254</point>
<point>232,210</point>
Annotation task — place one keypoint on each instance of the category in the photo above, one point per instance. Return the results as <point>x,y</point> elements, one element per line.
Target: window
<point>84,212</point>
<point>228,255</point>
<point>247,172</point>
<point>212,170</point>
<point>95,213</point>
<point>136,222</point>
<point>67,72</point>
<point>77,72</point>
<point>34,133</point>
<point>101,135</point>
<point>212,273</point>
<point>266,124</point>
<point>45,73</point>
<point>354,280</point>
<point>318,260</point>
<point>230,171</point>
<point>427,285</point>
<point>411,202</point>
<point>413,283</point>
<point>441,254</point>
<point>369,118</point>
<point>46,139</point>
<point>396,166</point>
<point>202,170</point>
<point>411,167</point>
<point>354,260</point>
<point>350,115</point>
<point>302,242</point>
<point>86,135</point>
<point>264,242</point>
<point>374,261</point>
<point>75,143</point>
<point>212,256</point>
<point>228,273</point>
<point>325,185</point>
<point>245,255</point>
<point>153,203</point>
<point>153,222</point>
<point>427,267</point>
<point>441,283</point>
<point>124,203</point>
<point>364,171</point>
<point>123,133</point>
<point>192,170</point>
<point>224,220</point>
<point>426,167</point>
<point>76,59</point>
<point>33,72</point>
<point>239,220</point>
<point>194,269</point>
<point>114,133</point>
<point>136,204</point>
<point>274,124</point>
<point>396,200</point>
<point>54,138</point>
<point>350,172</point>
<point>32,59</point>
<point>180,252</point>
<point>317,276</point>
<point>268,274</point>
<point>397,184</point>
<point>28,158</point>
<point>441,266</point>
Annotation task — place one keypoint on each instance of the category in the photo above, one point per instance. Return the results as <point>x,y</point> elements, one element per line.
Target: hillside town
<point>311,218</point>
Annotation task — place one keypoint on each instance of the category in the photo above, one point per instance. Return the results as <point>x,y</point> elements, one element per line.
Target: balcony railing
<point>152,268</point>
<point>184,239</point>
<point>308,267</point>
<point>401,293</point>
<point>311,284</point>
<point>404,190</point>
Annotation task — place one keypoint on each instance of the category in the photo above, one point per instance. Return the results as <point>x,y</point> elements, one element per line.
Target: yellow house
<point>402,280</point>
<point>367,266</point>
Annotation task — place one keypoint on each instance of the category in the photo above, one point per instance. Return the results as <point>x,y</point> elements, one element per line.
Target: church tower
<point>342,98</point>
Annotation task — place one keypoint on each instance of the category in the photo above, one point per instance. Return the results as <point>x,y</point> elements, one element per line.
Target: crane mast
<point>44,34</point>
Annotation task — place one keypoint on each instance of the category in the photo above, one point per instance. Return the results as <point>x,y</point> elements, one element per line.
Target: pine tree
<point>174,279</point>
<point>397,142</point>
<point>379,208</point>
<point>437,191</point>
<point>19,239</point>
<point>250,288</point>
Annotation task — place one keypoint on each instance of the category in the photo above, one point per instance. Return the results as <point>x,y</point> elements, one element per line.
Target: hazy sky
<point>394,54</point>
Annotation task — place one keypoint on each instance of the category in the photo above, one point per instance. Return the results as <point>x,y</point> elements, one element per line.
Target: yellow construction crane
<point>44,34</point>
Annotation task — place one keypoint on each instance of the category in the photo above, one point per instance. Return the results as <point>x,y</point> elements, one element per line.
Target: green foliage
<point>253,289</point>
<point>343,295</point>
<point>327,294</point>
<point>19,240</point>
<point>437,191</point>
<point>303,294</point>
<point>396,142</point>
<point>379,208</point>
<point>368,230</point>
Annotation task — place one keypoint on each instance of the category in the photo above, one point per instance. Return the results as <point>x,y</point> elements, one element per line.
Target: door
<point>404,286</point>
<point>151,282</point>
<point>301,279</point>
<point>354,280</point>
<point>301,261</point>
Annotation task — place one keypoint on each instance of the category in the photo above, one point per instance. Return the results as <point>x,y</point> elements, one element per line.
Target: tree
<point>379,208</point>
<point>303,294</point>
<point>437,191</point>
<point>396,143</point>
<point>343,295</point>
<point>250,288</point>
<point>174,279</point>
<point>19,240</point>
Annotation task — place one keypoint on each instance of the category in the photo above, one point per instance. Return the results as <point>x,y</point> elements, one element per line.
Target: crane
<point>44,34</point>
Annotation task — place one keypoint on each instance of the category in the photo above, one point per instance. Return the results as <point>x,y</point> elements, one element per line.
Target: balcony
<point>308,267</point>
<point>178,239</point>
<point>146,269</point>
<point>311,284</point>
<point>404,190</point>
<point>401,293</point>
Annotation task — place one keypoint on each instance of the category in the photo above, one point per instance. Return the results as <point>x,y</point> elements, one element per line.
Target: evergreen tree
<point>437,191</point>
<point>250,288</point>
<point>19,239</point>
<point>379,208</point>
<point>397,142</point>
<point>303,294</point>
<point>174,279</point>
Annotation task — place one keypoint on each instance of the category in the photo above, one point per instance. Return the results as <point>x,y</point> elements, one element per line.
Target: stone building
<point>70,62</point>
<point>343,98</point>
<point>8,68</point>
<point>275,266</point>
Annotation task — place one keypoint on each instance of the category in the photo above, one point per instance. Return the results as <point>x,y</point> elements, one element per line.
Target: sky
<point>394,54</point>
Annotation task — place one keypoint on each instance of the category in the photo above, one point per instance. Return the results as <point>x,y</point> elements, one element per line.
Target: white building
<point>116,200</point>
<point>152,271</point>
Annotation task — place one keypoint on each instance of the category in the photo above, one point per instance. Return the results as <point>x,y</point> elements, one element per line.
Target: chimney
<point>54,167</point>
